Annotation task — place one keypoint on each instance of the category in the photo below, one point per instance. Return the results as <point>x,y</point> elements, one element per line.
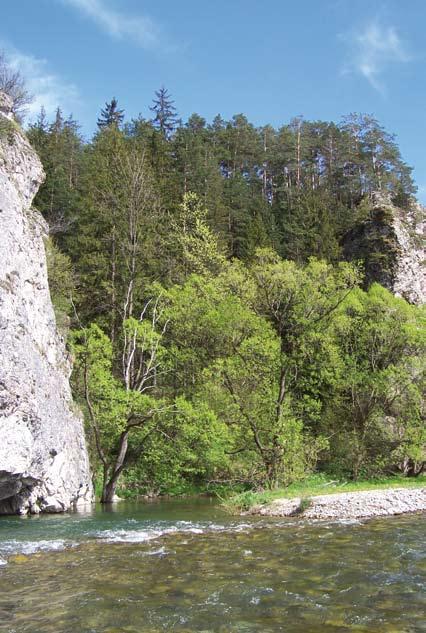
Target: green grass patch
<point>8,129</point>
<point>316,485</point>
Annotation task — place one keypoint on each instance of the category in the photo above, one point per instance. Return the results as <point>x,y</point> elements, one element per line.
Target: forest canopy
<point>221,330</point>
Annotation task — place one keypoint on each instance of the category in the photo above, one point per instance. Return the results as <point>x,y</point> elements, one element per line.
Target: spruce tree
<point>163,108</point>
<point>111,115</point>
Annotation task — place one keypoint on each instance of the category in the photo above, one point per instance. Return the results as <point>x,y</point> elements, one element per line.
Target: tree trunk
<point>110,482</point>
<point>113,291</point>
<point>298,156</point>
<point>108,491</point>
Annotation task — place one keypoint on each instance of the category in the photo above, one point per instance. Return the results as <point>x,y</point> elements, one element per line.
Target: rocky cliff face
<point>410,274</point>
<point>44,465</point>
<point>390,242</point>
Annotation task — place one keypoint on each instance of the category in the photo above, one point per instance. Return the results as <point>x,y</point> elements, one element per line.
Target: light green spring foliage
<point>267,358</point>
<point>381,396</point>
<point>311,331</point>
<point>266,369</point>
<point>378,416</point>
<point>112,404</point>
<point>178,442</point>
<point>108,403</point>
<point>196,246</point>
<point>242,388</point>
<point>190,450</point>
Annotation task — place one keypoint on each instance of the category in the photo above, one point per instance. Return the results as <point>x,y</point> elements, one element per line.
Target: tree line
<point>218,334</point>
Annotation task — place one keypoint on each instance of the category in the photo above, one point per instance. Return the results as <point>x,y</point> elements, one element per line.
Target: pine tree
<point>38,132</point>
<point>60,148</point>
<point>111,115</point>
<point>165,113</point>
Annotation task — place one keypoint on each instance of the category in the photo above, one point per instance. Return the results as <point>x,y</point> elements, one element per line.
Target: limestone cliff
<point>44,465</point>
<point>390,243</point>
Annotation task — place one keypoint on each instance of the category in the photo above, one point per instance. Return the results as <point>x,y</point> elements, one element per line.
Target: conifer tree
<point>164,110</point>
<point>60,148</point>
<point>111,115</point>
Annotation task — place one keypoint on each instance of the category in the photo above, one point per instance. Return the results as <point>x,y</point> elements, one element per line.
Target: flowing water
<point>187,566</point>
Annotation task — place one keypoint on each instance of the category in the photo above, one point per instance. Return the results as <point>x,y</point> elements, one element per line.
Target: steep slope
<point>44,465</point>
<point>390,243</point>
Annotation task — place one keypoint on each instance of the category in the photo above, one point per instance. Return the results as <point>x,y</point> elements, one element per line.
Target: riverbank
<point>316,485</point>
<point>348,505</point>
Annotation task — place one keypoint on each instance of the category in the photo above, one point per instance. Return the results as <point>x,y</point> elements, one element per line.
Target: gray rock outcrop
<point>390,242</point>
<point>410,274</point>
<point>44,465</point>
<point>6,105</point>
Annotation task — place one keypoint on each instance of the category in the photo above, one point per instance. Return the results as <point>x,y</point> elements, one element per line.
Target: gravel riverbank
<point>349,505</point>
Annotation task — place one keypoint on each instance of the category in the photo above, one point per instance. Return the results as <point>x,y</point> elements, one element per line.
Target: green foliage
<point>244,501</point>
<point>8,129</point>
<point>164,112</point>
<point>61,284</point>
<point>111,403</point>
<point>310,225</point>
<point>111,115</point>
<point>270,370</point>
<point>373,241</point>
<point>378,415</point>
<point>195,246</point>
<point>262,370</point>
<point>59,146</point>
<point>203,357</point>
<point>120,413</point>
<point>189,450</point>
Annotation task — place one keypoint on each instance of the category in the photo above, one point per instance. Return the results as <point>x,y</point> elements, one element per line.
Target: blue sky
<point>271,60</point>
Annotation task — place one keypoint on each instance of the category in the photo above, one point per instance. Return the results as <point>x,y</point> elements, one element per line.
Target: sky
<point>270,60</point>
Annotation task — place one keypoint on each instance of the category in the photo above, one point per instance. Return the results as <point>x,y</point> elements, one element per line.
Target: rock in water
<point>44,465</point>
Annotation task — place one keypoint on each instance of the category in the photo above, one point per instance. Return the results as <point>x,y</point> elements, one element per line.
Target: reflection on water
<point>188,567</point>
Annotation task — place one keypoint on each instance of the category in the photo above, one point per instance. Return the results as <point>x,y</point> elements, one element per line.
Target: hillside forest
<point>223,331</point>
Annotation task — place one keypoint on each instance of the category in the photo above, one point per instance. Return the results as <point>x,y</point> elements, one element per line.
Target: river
<point>187,566</point>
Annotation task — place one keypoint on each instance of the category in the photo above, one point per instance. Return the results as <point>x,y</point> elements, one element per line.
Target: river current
<point>187,566</point>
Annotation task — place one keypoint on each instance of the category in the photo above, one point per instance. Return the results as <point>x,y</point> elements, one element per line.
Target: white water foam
<point>122,535</point>
<point>181,527</point>
<point>11,548</point>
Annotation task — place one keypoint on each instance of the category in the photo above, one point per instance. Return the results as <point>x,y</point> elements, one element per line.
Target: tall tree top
<point>111,115</point>
<point>165,118</point>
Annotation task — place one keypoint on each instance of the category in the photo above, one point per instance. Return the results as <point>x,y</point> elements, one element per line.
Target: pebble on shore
<point>349,505</point>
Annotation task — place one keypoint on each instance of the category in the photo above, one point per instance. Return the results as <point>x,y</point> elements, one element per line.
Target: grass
<point>316,485</point>
<point>8,127</point>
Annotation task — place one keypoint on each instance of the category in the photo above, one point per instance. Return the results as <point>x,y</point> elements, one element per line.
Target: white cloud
<point>48,90</point>
<point>372,51</point>
<point>140,30</point>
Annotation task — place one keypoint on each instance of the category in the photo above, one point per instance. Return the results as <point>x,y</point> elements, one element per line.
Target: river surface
<point>187,566</point>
